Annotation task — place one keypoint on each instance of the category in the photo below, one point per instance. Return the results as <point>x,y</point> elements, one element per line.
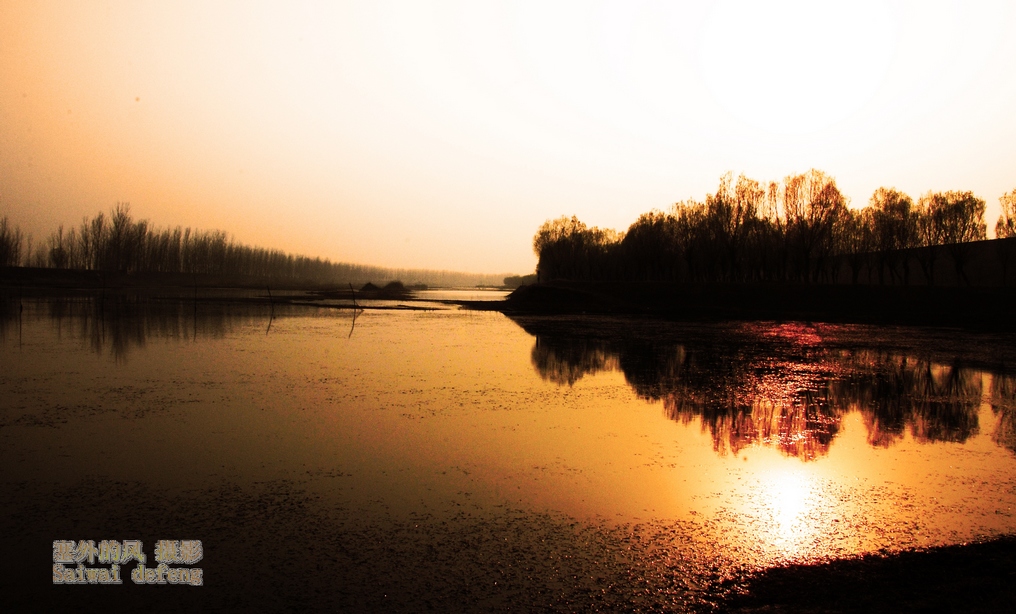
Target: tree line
<point>117,242</point>
<point>797,230</point>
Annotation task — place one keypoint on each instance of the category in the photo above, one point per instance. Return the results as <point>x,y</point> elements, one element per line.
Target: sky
<point>442,134</point>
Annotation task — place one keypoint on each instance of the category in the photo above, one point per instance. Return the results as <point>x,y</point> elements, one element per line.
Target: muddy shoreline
<point>977,577</point>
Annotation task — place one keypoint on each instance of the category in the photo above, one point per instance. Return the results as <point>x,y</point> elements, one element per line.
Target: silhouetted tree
<point>568,249</point>
<point>516,281</point>
<point>730,215</point>
<point>811,205</point>
<point>745,231</point>
<point>1005,228</point>
<point>855,239</point>
<point>894,228</point>
<point>963,216</point>
<point>930,220</point>
<point>58,256</point>
<point>117,242</point>
<point>650,248</point>
<point>10,243</point>
<point>952,219</point>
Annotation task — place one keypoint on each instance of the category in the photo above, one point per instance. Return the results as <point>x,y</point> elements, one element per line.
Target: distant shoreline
<point>975,307</point>
<point>41,283</point>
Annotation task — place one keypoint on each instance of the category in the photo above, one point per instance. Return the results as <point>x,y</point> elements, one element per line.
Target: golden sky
<point>442,134</point>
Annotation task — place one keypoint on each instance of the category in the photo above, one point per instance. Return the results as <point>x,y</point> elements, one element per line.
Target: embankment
<point>982,308</point>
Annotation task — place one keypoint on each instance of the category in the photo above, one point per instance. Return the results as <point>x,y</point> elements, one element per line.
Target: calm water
<point>747,444</point>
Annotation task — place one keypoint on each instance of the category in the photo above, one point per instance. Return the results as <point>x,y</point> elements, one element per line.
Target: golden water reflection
<point>783,386</point>
<point>907,435</point>
<point>904,409</point>
<point>787,496</point>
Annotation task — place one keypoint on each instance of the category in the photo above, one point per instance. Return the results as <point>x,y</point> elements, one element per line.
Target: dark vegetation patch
<point>799,230</point>
<point>976,308</point>
<point>978,577</point>
<point>514,281</point>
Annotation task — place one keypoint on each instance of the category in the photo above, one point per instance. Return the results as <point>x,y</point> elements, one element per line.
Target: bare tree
<point>811,205</point>
<point>10,243</point>
<point>732,214</point>
<point>1005,228</point>
<point>569,249</point>
<point>58,256</point>
<point>855,239</point>
<point>952,219</point>
<point>894,228</point>
<point>964,223</point>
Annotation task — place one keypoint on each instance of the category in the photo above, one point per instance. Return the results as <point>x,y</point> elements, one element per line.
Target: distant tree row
<point>797,230</point>
<point>514,281</point>
<point>118,243</point>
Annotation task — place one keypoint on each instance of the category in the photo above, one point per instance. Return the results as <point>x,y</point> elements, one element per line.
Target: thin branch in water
<point>21,308</point>
<point>356,312</point>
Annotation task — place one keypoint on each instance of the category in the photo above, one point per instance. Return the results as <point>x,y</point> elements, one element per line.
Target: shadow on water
<point>118,324</point>
<point>790,386</point>
<point>11,319</point>
<point>1003,403</point>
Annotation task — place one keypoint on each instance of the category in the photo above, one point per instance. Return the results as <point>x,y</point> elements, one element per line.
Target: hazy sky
<point>442,134</point>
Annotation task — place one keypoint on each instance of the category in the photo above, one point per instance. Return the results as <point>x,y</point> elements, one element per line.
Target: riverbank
<point>36,281</point>
<point>979,577</point>
<point>975,308</point>
<point>979,308</point>
<point>18,283</point>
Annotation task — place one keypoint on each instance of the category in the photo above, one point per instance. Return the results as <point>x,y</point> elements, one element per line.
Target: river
<point>410,460</point>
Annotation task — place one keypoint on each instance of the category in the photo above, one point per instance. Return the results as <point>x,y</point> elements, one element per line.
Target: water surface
<point>697,450</point>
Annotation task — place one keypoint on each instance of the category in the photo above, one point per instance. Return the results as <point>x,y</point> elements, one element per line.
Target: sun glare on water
<point>784,506</point>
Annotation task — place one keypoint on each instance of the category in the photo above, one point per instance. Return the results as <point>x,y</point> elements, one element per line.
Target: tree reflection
<point>1003,403</point>
<point>566,363</point>
<point>10,317</point>
<point>780,386</point>
<point>117,324</point>
<point>896,393</point>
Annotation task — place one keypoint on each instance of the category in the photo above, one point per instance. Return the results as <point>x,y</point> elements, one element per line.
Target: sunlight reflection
<point>786,502</point>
